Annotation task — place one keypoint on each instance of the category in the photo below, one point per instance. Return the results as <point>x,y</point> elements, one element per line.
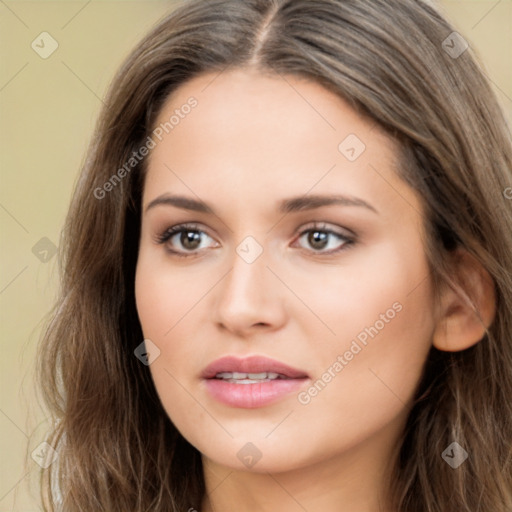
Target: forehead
<point>272,134</point>
<point>246,102</point>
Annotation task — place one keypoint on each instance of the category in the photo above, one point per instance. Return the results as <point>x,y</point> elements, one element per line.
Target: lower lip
<point>251,396</point>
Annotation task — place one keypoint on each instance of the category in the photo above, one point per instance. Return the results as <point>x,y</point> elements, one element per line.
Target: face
<point>296,253</point>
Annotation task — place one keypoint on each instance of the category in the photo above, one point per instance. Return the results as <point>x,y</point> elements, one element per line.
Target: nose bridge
<point>248,268</point>
<point>247,296</point>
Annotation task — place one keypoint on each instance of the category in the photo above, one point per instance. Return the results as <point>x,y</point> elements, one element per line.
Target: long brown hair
<point>117,448</point>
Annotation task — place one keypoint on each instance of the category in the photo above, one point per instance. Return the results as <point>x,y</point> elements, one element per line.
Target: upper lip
<point>251,364</point>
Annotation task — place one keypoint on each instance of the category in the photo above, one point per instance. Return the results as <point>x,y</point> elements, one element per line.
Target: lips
<point>251,382</point>
<point>251,365</point>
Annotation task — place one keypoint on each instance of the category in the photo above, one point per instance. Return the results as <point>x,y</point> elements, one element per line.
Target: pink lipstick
<point>251,382</point>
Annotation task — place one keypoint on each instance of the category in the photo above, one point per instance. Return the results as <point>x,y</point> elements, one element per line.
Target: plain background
<point>48,108</point>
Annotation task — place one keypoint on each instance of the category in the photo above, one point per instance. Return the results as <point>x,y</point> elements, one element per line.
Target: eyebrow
<point>293,204</point>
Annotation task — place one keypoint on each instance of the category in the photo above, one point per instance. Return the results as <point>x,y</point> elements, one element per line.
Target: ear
<point>468,305</point>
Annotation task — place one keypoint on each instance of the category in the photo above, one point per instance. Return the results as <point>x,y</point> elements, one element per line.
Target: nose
<point>250,298</point>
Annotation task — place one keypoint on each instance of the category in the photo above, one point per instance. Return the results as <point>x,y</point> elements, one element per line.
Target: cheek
<point>163,299</point>
<point>165,294</point>
<point>168,301</point>
<point>383,320</point>
<point>381,298</point>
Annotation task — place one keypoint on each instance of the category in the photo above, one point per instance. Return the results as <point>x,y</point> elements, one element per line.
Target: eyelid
<point>325,226</point>
<point>169,232</point>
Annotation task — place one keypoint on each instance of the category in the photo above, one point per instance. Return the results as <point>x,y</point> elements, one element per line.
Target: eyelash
<point>319,227</point>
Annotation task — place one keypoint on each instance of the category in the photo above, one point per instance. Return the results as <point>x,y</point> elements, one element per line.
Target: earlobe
<point>468,305</point>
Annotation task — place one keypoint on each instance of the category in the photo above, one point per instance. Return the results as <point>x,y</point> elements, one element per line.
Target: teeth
<point>247,378</point>
<point>257,375</point>
<point>224,375</point>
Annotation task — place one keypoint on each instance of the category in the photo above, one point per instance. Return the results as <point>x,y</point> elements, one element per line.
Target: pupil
<point>188,238</point>
<point>317,239</point>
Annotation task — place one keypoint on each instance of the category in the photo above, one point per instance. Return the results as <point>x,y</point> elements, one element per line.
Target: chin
<point>258,455</point>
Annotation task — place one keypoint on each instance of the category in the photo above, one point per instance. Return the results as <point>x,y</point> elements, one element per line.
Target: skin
<point>252,141</point>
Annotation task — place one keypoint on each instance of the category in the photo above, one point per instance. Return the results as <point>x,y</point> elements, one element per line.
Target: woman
<point>287,282</point>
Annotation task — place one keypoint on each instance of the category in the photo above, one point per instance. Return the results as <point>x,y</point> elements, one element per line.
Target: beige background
<point>48,107</point>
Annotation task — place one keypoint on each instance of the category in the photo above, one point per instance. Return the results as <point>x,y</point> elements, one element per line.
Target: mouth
<point>249,378</point>
<point>251,382</point>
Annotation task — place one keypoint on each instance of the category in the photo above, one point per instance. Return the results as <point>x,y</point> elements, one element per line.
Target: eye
<point>323,240</point>
<point>184,239</point>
